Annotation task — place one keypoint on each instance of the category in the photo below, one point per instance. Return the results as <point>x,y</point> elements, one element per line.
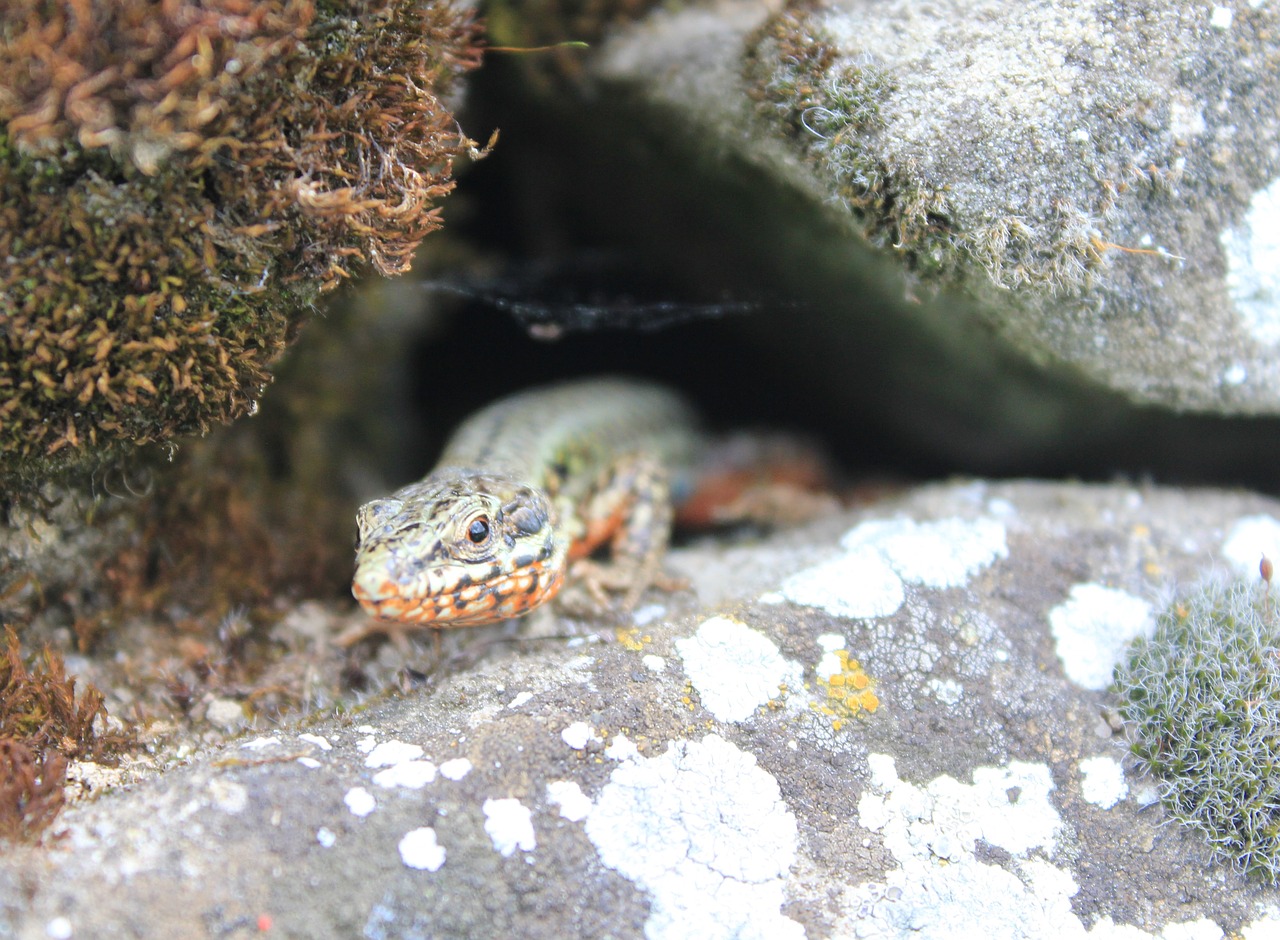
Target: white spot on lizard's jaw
<point>1092,629</point>
<point>735,669</point>
<point>704,831</point>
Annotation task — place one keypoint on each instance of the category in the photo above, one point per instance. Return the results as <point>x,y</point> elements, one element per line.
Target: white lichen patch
<point>1202,929</point>
<point>857,584</point>
<point>228,796</point>
<point>419,849</point>
<point>882,554</point>
<point>704,831</point>
<point>509,825</point>
<point>1264,928</point>
<point>1249,539</point>
<point>1252,250</point>
<point>941,889</point>
<point>390,753</point>
<point>621,748</point>
<point>260,744</point>
<point>946,691</point>
<point>577,735</point>
<point>574,805</point>
<point>911,816</point>
<point>410,774</point>
<point>1093,627</point>
<point>360,801</point>
<point>1102,781</point>
<point>940,554</point>
<point>735,669</point>
<point>455,768</point>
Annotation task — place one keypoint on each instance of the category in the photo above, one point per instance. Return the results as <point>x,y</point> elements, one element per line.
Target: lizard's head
<point>458,549</point>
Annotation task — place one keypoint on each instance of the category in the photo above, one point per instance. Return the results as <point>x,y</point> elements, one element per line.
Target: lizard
<point>524,488</point>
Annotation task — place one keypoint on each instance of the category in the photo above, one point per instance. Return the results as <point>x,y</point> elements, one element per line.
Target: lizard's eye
<point>478,530</point>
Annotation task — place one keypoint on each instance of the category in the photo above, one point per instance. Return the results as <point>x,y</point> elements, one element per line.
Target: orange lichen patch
<point>632,639</point>
<point>848,692</point>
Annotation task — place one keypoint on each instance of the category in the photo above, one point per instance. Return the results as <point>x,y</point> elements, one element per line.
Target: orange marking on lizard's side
<point>599,532</point>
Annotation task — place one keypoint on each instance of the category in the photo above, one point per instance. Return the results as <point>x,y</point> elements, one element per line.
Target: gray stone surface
<point>696,777</point>
<point>1095,182</point>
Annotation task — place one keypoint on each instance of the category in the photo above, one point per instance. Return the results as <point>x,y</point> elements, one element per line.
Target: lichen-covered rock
<point>888,723</point>
<point>178,183</point>
<point>1094,182</point>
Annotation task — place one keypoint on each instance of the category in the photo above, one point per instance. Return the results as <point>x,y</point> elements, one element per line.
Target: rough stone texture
<point>1095,181</point>
<point>576,788</point>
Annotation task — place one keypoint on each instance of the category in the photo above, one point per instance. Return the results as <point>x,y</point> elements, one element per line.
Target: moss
<point>43,725</point>
<point>1202,699</point>
<point>40,708</point>
<point>31,790</point>
<point>834,107</point>
<point>180,181</point>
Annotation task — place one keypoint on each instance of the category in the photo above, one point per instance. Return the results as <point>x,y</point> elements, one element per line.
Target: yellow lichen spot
<point>631,639</point>
<point>848,692</point>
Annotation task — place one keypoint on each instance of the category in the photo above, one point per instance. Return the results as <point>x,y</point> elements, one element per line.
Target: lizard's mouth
<point>508,595</point>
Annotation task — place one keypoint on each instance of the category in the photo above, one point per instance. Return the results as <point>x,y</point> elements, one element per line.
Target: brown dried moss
<point>180,179</point>
<point>31,790</point>
<point>40,708</point>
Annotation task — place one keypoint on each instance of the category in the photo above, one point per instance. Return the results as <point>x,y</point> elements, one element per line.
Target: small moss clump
<point>180,179</point>
<point>44,725</point>
<point>31,790</point>
<point>1202,699</point>
<point>40,708</point>
<point>833,105</point>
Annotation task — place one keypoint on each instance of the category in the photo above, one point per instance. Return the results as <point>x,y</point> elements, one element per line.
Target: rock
<point>1066,205</point>
<point>762,760</point>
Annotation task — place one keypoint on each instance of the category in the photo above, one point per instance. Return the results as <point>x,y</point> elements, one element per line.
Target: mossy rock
<point>180,182</point>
